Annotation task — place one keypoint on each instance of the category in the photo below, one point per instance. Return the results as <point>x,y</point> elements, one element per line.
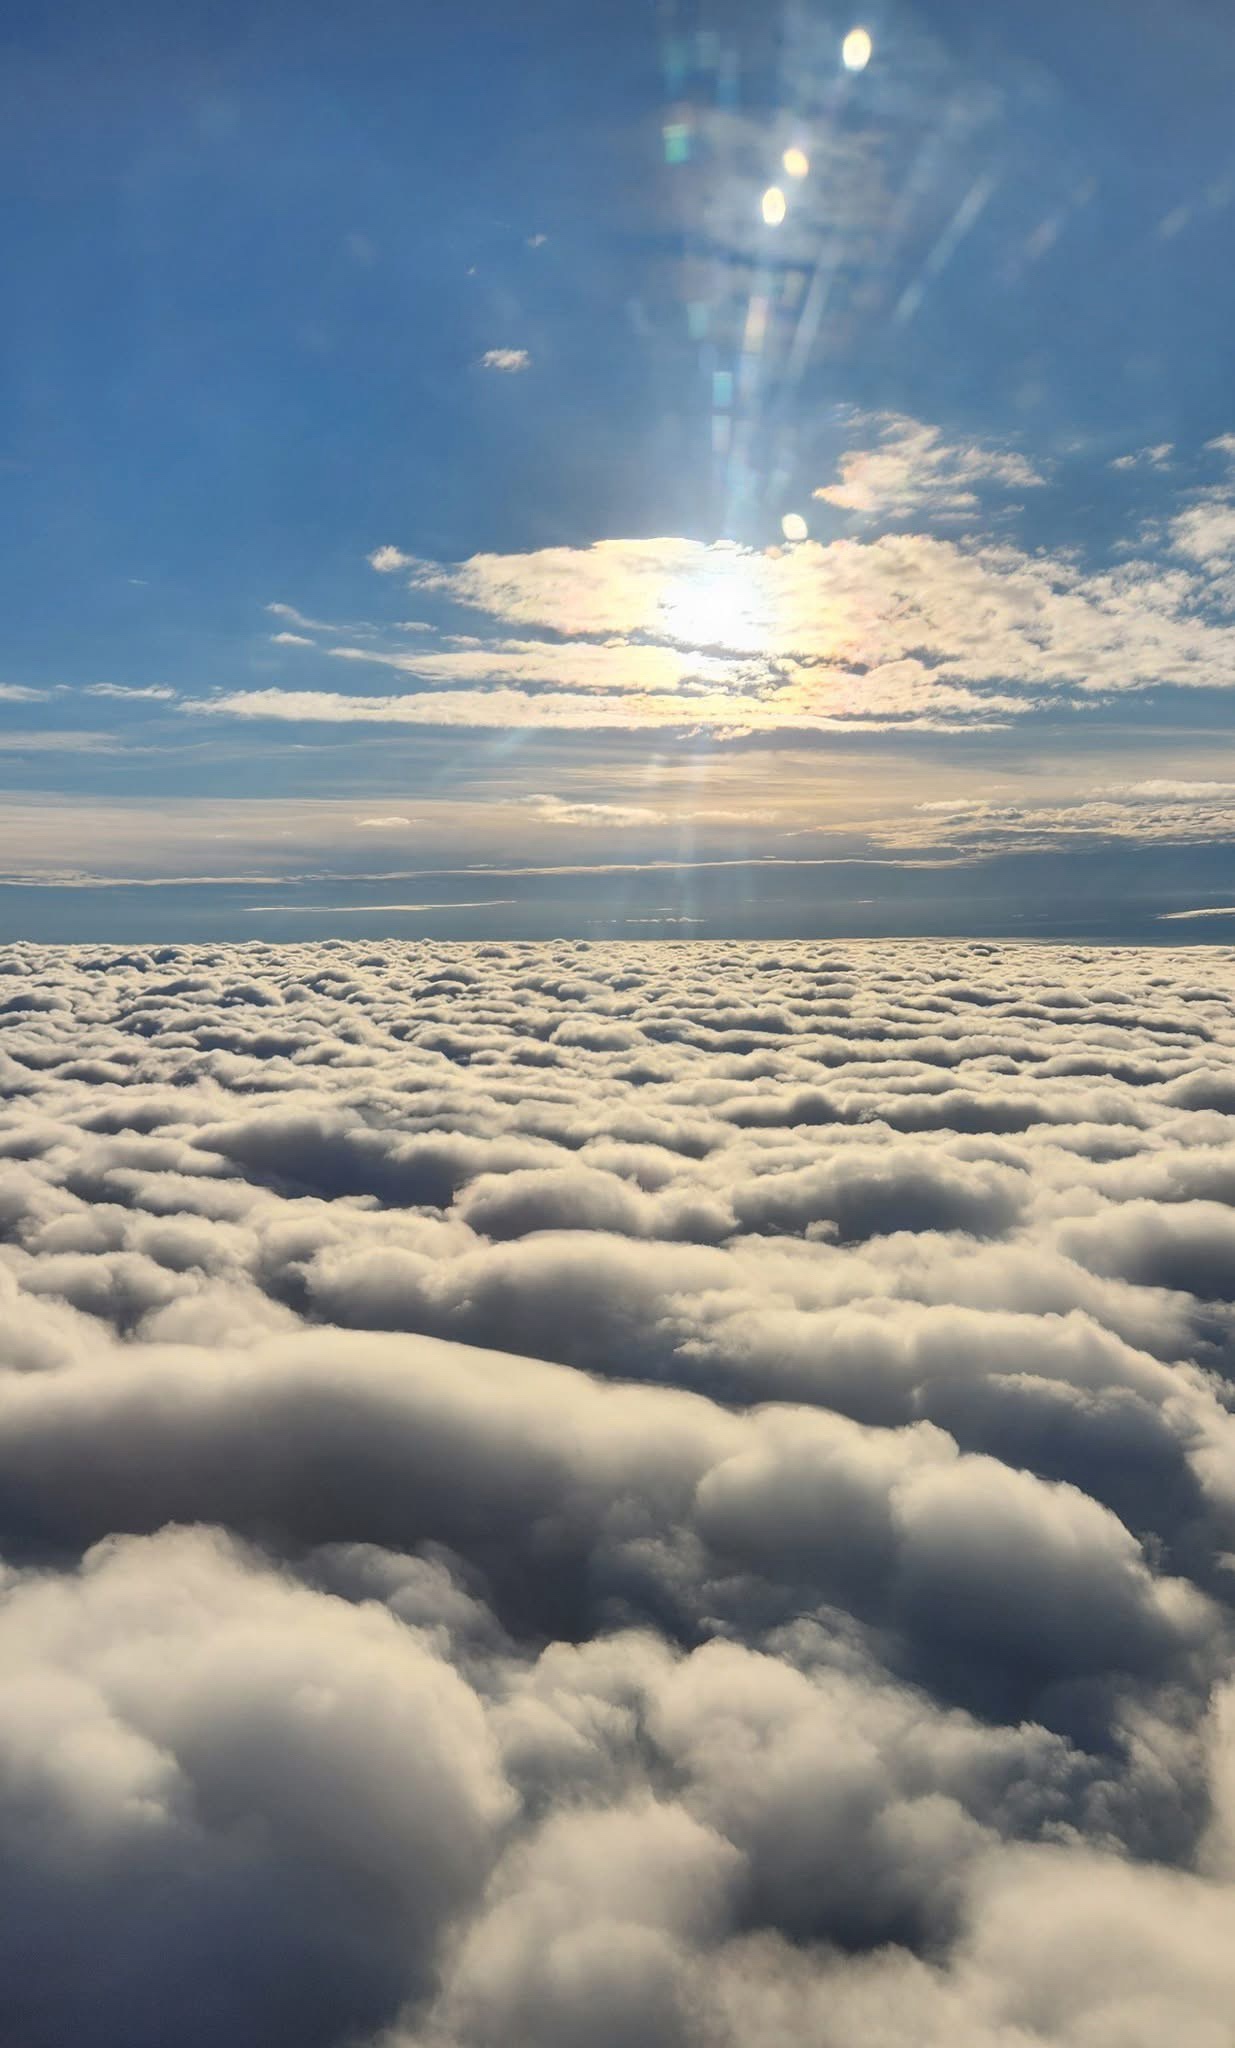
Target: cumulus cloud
<point>666,1494</point>
<point>913,470</point>
<point>507,360</point>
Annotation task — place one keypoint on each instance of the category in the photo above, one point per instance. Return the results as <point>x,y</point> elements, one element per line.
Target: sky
<point>617,471</point>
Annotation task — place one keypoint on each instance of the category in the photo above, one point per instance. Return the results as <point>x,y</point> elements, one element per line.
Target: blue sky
<point>401,415</point>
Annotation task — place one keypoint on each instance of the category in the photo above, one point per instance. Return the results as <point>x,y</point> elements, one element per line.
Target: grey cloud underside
<point>676,1495</point>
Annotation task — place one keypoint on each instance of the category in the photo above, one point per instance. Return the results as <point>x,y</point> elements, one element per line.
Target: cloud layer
<point>907,630</point>
<point>677,1495</point>
<point>955,625</point>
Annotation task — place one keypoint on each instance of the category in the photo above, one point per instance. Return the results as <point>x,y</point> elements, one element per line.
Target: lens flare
<point>796,163</point>
<point>855,51</point>
<point>794,527</point>
<point>773,206</point>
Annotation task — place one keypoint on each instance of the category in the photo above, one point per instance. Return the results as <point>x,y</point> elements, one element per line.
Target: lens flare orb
<point>855,51</point>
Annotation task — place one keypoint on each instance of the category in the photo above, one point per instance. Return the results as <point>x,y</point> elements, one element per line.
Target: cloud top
<point>676,1494</point>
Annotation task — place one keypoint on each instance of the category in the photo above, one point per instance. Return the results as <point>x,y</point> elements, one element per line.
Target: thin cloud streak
<point>364,909</point>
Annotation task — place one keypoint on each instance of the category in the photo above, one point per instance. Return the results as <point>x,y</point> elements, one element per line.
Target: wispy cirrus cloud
<point>64,740</point>
<point>1157,456</point>
<point>564,710</point>
<point>372,909</point>
<point>149,693</point>
<point>1208,910</point>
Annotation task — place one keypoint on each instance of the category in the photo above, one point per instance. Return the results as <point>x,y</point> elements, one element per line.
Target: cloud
<point>567,710</point>
<point>655,1493</point>
<point>295,618</point>
<point>912,470</point>
<point>268,1800</point>
<point>368,909</point>
<point>20,693</point>
<point>63,740</point>
<point>903,619</point>
<point>1206,531</point>
<point>1158,456</point>
<point>149,692</point>
<point>1162,811</point>
<point>556,810</point>
<point>508,360</point>
<point>913,629</point>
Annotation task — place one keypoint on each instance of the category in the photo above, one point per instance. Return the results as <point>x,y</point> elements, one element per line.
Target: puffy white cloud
<point>672,1494</point>
<point>912,470</point>
<point>258,1803</point>
<point>508,360</point>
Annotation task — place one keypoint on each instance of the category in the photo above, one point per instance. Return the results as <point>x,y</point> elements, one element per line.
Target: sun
<point>723,602</point>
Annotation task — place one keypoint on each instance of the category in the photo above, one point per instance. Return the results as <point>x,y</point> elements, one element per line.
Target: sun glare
<point>773,206</point>
<point>729,601</point>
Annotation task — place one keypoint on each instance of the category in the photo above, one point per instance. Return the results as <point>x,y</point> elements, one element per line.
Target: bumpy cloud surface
<point>616,1497</point>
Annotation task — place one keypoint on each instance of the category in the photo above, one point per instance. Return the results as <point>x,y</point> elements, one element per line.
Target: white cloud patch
<point>1206,531</point>
<point>152,693</point>
<point>676,1494</point>
<point>1156,456</point>
<point>566,710</point>
<point>912,471</point>
<point>557,810</point>
<point>507,360</point>
<point>295,618</point>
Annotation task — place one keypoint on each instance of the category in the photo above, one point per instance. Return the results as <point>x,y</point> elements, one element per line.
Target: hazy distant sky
<point>443,494</point>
